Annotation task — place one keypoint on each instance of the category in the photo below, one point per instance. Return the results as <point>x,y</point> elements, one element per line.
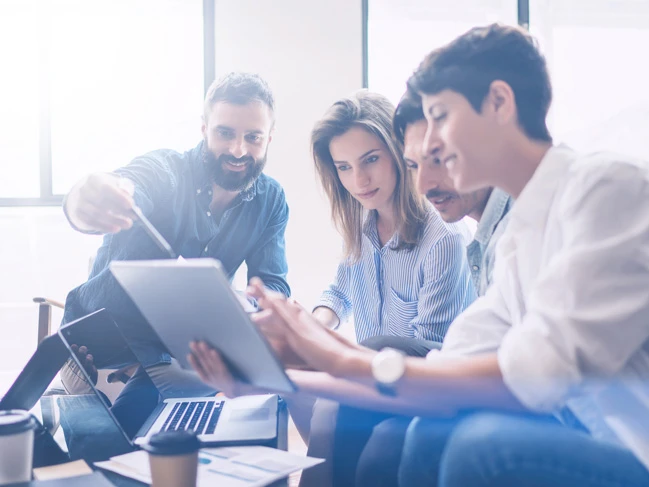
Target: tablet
<point>192,299</point>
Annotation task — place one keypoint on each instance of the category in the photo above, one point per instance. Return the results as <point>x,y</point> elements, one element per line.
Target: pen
<point>128,186</point>
<point>153,233</point>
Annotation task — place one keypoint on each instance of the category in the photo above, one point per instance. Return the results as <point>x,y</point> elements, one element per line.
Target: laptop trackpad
<point>250,414</point>
<point>248,418</point>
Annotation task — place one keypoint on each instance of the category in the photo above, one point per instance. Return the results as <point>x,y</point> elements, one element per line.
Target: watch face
<point>388,366</point>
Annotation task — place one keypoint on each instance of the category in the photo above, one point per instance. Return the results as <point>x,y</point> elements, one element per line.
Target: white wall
<point>311,54</point>
<point>40,255</point>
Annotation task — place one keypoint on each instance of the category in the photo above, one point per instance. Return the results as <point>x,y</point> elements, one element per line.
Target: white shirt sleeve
<point>587,313</point>
<point>481,327</point>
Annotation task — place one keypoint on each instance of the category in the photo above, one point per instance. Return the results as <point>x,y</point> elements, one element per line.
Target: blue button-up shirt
<point>480,251</point>
<point>411,293</point>
<point>174,192</point>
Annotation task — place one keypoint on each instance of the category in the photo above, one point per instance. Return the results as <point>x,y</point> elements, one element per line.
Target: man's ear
<point>501,102</point>
<point>203,125</point>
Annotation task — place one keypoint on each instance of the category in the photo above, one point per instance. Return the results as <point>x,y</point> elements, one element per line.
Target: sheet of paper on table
<point>62,471</point>
<point>250,466</point>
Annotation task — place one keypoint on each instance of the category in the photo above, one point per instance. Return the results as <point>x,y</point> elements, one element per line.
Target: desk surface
<point>93,436</point>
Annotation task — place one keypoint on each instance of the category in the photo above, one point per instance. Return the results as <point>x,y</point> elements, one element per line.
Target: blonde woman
<point>404,271</point>
<point>404,275</point>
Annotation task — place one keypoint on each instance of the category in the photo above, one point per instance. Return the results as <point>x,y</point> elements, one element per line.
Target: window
<point>93,85</point>
<point>593,48</point>
<point>600,81</point>
<point>401,33</point>
<point>19,99</point>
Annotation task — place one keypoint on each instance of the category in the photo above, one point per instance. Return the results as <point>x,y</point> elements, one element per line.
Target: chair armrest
<point>49,302</point>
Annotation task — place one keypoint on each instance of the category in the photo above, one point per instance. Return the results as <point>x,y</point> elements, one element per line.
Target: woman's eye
<point>342,167</point>
<point>372,159</point>
<point>439,117</point>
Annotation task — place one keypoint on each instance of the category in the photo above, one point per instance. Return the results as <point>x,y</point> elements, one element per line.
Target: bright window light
<point>104,81</point>
<point>401,33</point>
<point>601,99</point>
<point>127,78</point>
<point>19,102</point>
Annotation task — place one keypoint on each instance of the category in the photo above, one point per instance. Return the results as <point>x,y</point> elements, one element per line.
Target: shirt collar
<point>534,201</point>
<point>250,193</point>
<point>202,181</point>
<point>371,231</point>
<point>496,208</point>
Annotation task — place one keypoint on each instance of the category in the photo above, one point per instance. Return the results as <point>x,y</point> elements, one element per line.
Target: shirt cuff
<point>335,304</point>
<point>534,371</point>
<point>67,217</point>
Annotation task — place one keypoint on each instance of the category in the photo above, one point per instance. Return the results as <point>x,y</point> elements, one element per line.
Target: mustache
<point>436,194</point>
<point>224,158</point>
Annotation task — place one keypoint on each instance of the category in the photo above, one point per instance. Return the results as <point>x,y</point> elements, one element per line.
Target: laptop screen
<point>97,335</point>
<point>37,375</point>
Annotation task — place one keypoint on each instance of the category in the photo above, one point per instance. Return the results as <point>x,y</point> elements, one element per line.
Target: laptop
<point>248,420</point>
<point>37,375</point>
<point>192,299</point>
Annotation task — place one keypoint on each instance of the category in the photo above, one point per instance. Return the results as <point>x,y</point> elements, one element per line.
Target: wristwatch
<point>388,366</point>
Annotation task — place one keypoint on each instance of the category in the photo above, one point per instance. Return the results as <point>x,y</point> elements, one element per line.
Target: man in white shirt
<point>544,380</point>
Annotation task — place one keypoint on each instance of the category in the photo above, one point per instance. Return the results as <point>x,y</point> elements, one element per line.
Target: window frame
<point>46,196</point>
<point>523,15</point>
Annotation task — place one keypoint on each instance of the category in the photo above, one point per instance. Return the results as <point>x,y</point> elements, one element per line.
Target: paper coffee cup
<point>16,446</point>
<point>173,459</point>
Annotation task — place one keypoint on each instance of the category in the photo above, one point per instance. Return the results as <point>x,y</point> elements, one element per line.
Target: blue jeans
<point>354,426</point>
<point>89,431</point>
<point>488,449</point>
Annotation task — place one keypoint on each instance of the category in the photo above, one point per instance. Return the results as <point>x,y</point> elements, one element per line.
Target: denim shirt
<point>480,252</point>
<point>174,192</point>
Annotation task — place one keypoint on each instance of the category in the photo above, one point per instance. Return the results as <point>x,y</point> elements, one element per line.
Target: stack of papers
<point>250,466</point>
<point>62,471</point>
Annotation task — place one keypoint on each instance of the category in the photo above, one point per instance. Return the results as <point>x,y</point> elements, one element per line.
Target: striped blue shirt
<point>410,293</point>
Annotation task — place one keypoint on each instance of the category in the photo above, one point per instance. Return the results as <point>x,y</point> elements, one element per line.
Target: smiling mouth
<point>236,166</point>
<point>442,200</point>
<point>367,195</point>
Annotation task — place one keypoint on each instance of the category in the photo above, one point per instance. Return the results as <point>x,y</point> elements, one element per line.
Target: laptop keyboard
<point>198,416</point>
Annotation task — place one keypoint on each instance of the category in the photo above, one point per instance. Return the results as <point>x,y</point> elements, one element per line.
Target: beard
<point>216,169</point>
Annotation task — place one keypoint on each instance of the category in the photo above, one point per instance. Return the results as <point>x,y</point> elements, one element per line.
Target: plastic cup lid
<point>15,421</point>
<point>173,443</point>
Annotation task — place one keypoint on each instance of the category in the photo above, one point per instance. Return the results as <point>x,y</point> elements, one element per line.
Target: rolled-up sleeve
<point>587,313</point>
<point>267,260</point>
<point>336,296</point>
<point>480,329</point>
<point>152,178</point>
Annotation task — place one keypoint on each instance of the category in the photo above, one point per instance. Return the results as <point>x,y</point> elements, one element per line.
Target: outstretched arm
<point>447,383</point>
